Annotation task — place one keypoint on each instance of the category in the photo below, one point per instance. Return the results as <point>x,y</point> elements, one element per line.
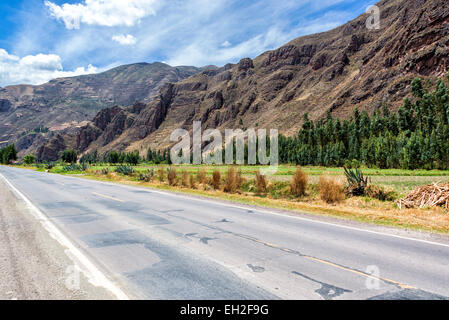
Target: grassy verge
<point>362,209</point>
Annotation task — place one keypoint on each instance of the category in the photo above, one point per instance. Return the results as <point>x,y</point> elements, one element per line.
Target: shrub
<point>184,179</point>
<point>161,174</point>
<point>231,181</point>
<point>69,156</point>
<point>29,159</point>
<point>216,177</point>
<point>8,154</point>
<point>49,165</point>
<point>145,176</point>
<point>125,170</point>
<point>105,171</point>
<point>90,158</point>
<point>239,179</point>
<point>261,183</point>
<point>172,177</point>
<point>355,164</point>
<point>279,189</point>
<point>356,182</point>
<point>75,167</point>
<point>112,157</point>
<point>202,176</point>
<point>381,193</point>
<point>192,182</point>
<point>331,189</point>
<point>298,184</point>
<point>132,158</point>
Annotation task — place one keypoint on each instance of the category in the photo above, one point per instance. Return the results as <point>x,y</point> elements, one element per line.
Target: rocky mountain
<point>66,104</point>
<point>350,66</point>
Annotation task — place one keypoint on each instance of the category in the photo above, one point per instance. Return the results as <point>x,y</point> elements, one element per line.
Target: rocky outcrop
<point>51,150</point>
<point>5,105</point>
<point>70,101</point>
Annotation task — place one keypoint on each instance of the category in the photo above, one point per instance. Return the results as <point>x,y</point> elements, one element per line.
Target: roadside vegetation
<point>336,192</point>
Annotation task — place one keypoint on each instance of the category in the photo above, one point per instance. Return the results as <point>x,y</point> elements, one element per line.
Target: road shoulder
<point>33,265</point>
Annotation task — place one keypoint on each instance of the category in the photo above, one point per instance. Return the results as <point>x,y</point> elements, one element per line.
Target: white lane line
<point>95,276</point>
<point>267,212</point>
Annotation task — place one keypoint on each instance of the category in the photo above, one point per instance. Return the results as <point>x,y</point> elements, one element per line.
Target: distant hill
<point>65,103</point>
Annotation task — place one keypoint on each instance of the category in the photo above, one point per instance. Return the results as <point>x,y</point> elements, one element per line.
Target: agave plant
<point>125,170</point>
<point>356,182</point>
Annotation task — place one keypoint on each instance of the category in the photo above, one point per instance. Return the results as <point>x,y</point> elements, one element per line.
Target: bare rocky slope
<point>66,104</point>
<point>350,66</point>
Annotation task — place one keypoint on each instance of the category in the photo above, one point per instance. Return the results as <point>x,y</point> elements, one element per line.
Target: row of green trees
<point>417,136</point>
<point>8,154</point>
<point>133,158</point>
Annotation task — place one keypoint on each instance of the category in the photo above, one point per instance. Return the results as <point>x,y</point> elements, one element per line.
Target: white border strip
<point>95,276</point>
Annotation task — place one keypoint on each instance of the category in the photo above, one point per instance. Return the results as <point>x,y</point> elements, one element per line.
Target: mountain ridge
<point>67,103</point>
<point>335,71</point>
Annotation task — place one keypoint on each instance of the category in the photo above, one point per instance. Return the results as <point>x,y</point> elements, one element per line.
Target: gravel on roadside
<point>33,265</point>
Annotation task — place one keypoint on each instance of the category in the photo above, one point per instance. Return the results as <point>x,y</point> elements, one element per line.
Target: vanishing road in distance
<point>160,245</point>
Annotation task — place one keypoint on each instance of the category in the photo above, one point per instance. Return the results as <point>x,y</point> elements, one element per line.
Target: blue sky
<point>41,40</point>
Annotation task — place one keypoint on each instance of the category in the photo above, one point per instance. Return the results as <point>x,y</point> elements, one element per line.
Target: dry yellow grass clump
<point>231,183</point>
<point>299,183</point>
<point>216,177</point>
<point>161,174</point>
<point>202,176</point>
<point>192,182</point>
<point>172,177</point>
<point>184,179</point>
<point>331,189</point>
<point>261,183</point>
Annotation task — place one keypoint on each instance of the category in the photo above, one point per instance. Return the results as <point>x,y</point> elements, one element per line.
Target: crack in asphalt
<point>327,291</point>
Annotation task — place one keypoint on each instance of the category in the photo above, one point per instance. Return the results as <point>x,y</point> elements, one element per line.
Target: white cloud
<point>107,13</point>
<point>5,56</point>
<point>183,32</point>
<point>35,69</point>
<point>125,40</point>
<point>202,53</point>
<point>226,44</point>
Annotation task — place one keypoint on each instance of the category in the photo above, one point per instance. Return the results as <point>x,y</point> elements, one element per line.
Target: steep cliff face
<point>350,66</point>
<point>64,104</point>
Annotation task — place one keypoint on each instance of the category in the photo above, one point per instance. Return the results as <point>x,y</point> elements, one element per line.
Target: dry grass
<point>172,176</point>
<point>239,179</point>
<point>184,179</point>
<point>201,176</point>
<point>231,182</point>
<point>161,174</point>
<point>381,193</point>
<point>331,189</point>
<point>192,182</point>
<point>298,184</point>
<point>216,180</point>
<point>261,183</point>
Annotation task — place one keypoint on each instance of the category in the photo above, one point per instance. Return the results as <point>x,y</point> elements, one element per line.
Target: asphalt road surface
<point>158,245</point>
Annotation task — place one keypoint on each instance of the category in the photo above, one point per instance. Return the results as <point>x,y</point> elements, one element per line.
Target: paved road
<point>157,245</point>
